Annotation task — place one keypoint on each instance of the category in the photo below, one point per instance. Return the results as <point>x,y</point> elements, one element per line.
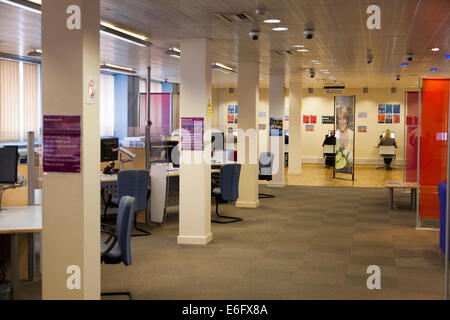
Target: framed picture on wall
<point>381,118</point>
<point>382,108</point>
<point>389,108</point>
<point>389,118</point>
<point>396,118</point>
<point>396,108</point>
<point>309,128</point>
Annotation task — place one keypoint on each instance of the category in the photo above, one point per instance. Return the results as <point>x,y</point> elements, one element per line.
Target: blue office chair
<point>228,190</point>
<point>134,183</point>
<point>442,190</point>
<point>117,248</point>
<point>265,170</point>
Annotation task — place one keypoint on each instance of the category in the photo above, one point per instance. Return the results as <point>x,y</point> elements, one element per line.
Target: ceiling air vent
<point>236,17</point>
<point>310,90</point>
<point>365,90</point>
<point>334,89</point>
<point>393,90</point>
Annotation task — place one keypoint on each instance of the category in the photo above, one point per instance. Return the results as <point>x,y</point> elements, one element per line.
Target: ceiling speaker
<point>365,90</point>
<point>310,90</point>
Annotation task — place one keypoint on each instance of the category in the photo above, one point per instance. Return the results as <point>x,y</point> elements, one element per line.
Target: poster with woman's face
<point>344,132</point>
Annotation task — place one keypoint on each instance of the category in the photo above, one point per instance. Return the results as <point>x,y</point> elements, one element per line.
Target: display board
<point>344,111</point>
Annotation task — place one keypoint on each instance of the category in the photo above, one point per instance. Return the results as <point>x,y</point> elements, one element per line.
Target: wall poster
<point>276,127</point>
<point>192,131</point>
<point>344,108</point>
<point>327,119</point>
<point>62,144</point>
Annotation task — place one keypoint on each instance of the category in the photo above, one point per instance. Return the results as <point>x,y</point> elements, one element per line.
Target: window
<point>20,110</point>
<point>106,105</point>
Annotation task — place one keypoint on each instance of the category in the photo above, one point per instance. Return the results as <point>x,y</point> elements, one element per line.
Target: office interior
<point>295,229</point>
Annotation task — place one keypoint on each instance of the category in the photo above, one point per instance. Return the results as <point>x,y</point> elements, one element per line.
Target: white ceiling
<point>340,43</point>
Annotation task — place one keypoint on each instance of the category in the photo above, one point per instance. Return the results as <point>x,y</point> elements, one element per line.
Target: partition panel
<point>433,143</point>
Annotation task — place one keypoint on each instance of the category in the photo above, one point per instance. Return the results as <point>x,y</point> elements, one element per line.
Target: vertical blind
<point>19,100</point>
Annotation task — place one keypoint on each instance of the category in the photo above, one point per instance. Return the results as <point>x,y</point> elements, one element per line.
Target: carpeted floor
<point>307,243</point>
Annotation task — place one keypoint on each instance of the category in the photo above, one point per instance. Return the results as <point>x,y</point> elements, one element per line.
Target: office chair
<point>387,152</point>
<point>117,248</point>
<point>329,152</point>
<point>228,190</point>
<point>133,183</point>
<point>265,170</point>
<point>442,191</point>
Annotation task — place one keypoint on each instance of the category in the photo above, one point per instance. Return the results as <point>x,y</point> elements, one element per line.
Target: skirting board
<point>358,161</point>
<point>247,204</point>
<point>195,240</point>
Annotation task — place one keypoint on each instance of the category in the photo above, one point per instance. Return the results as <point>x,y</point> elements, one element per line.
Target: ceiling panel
<point>340,42</point>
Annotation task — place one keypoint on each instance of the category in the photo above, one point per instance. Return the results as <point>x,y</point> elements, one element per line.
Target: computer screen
<point>217,141</point>
<point>109,149</point>
<point>392,134</point>
<point>9,159</point>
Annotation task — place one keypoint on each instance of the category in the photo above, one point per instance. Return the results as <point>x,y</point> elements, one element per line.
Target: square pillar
<point>71,201</point>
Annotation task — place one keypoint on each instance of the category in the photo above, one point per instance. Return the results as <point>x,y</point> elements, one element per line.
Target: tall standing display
<point>344,113</point>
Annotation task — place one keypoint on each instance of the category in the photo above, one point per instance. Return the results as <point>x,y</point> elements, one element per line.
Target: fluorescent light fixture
<point>298,46</point>
<point>32,6</point>
<point>404,64</point>
<point>124,36</point>
<point>115,67</point>
<point>272,21</point>
<point>121,30</point>
<point>221,67</point>
<point>434,69</point>
<point>435,49</point>
<point>302,50</point>
<point>324,71</point>
<point>280,29</point>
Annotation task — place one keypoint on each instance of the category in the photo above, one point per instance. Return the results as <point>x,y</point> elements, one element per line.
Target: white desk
<point>14,221</point>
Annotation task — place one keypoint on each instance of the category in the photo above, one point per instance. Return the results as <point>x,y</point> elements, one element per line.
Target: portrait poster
<point>382,108</point>
<point>276,127</point>
<point>381,118</point>
<point>389,118</point>
<point>389,108</point>
<point>62,144</point>
<point>345,134</point>
<point>396,108</point>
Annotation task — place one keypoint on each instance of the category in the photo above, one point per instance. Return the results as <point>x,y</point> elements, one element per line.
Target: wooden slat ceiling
<point>340,42</point>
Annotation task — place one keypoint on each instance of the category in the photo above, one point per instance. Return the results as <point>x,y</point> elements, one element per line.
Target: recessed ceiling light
<point>404,64</point>
<point>280,29</point>
<point>435,49</point>
<point>298,46</point>
<point>433,69</point>
<point>272,21</point>
<point>302,50</point>
<point>324,71</point>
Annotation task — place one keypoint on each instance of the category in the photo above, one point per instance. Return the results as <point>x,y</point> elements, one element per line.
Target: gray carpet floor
<point>307,243</point>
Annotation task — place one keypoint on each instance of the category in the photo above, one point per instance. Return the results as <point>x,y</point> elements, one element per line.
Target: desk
<point>401,185</point>
<point>14,221</point>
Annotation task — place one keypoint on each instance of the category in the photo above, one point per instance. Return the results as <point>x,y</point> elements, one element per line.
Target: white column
<point>195,174</point>
<point>276,110</point>
<point>71,201</point>
<point>248,99</point>
<point>295,110</point>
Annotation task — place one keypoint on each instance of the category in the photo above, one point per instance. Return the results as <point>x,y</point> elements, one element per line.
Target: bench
<point>401,185</point>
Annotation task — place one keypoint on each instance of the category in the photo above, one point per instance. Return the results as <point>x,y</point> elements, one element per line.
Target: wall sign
<point>91,90</point>
<point>192,131</point>
<point>62,144</point>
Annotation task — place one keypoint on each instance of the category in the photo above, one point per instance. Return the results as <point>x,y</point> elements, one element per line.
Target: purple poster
<point>192,134</point>
<point>62,144</point>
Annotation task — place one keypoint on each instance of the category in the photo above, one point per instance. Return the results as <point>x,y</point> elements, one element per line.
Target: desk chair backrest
<point>387,151</point>
<point>266,163</point>
<point>328,148</point>
<point>125,218</point>
<point>229,181</point>
<point>134,183</point>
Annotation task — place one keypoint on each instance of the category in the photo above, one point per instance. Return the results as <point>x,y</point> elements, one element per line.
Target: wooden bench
<point>401,185</point>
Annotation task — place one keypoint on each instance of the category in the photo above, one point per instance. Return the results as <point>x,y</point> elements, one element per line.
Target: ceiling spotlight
<point>173,52</point>
<point>272,21</point>
<point>435,49</point>
<point>35,53</point>
<point>280,29</point>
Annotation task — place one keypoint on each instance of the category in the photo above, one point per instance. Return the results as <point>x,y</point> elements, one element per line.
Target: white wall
<point>321,104</point>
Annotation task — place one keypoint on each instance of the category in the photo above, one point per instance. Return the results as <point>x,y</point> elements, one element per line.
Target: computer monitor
<point>392,134</point>
<point>9,160</point>
<point>217,141</point>
<point>109,149</point>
